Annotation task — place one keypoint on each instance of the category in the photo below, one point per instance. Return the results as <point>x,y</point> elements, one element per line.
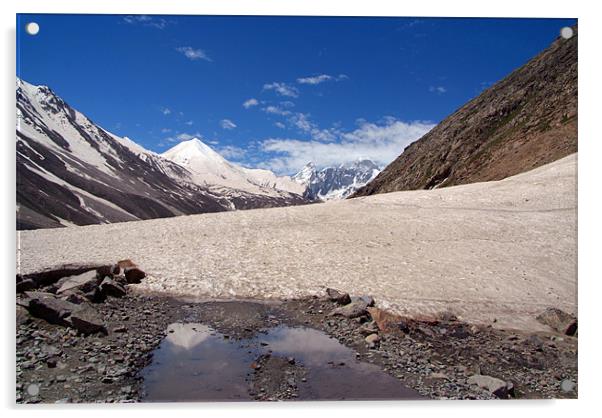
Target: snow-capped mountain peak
<point>210,168</point>
<point>193,149</point>
<point>304,176</point>
<point>335,182</point>
<point>70,171</point>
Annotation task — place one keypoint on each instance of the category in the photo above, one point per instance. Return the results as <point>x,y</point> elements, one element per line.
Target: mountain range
<point>335,182</point>
<point>70,171</point>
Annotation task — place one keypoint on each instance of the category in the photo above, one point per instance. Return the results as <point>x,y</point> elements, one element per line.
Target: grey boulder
<point>351,310</point>
<point>493,385</point>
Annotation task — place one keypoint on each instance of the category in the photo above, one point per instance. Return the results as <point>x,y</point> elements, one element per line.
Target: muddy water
<point>195,363</point>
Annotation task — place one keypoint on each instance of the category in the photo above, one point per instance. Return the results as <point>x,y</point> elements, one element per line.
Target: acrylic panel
<point>265,208</point>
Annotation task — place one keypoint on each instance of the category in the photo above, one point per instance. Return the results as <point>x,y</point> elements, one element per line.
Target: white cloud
<point>302,121</point>
<point>193,54</point>
<point>317,79</point>
<point>227,124</point>
<point>165,130</point>
<point>165,110</point>
<point>378,142</point>
<point>437,89</point>
<point>283,89</point>
<point>145,20</point>
<point>280,125</point>
<point>184,136</point>
<point>189,123</point>
<point>250,103</point>
<point>231,152</point>
<point>275,110</point>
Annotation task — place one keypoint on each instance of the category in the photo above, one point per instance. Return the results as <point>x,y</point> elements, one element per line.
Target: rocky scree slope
<point>524,121</point>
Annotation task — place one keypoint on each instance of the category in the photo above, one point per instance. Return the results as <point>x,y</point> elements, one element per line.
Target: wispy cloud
<point>184,136</point>
<point>437,89</point>
<point>303,122</point>
<point>378,142</point>
<point>189,123</point>
<point>165,110</point>
<point>283,89</point>
<point>250,103</point>
<point>165,130</point>
<point>317,79</point>
<point>231,152</point>
<point>275,110</point>
<point>193,54</point>
<point>145,20</point>
<point>227,124</point>
<point>280,125</point>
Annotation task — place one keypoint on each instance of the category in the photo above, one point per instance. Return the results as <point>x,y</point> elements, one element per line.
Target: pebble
<point>33,389</point>
<point>567,385</point>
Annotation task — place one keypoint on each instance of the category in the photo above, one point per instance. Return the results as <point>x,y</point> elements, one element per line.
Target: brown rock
<point>110,287</point>
<point>87,321</point>
<point>351,310</point>
<point>22,316</point>
<point>123,264</point>
<point>338,297</point>
<point>559,321</point>
<point>496,386</point>
<point>447,316</point>
<point>372,339</point>
<point>368,328</point>
<point>83,283</point>
<point>25,285</point>
<point>134,275</point>
<point>385,321</point>
<point>77,298</point>
<point>50,308</point>
<point>53,274</point>
<point>108,270</point>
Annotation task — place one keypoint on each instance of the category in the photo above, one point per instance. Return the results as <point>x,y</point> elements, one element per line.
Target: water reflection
<point>195,363</point>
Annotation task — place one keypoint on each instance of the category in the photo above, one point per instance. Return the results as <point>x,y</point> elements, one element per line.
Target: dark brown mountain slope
<point>526,120</point>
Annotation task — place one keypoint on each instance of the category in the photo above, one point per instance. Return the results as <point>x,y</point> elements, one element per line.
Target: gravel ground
<point>54,364</point>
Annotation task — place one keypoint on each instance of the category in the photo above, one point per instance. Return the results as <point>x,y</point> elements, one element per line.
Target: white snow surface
<point>493,253</point>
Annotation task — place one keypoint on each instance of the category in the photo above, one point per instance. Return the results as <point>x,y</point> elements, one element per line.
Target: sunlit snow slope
<point>495,253</point>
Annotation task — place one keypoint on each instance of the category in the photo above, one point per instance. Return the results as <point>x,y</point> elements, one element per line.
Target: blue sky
<point>275,92</point>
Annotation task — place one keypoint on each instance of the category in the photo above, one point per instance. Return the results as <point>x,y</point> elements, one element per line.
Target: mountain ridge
<point>336,182</point>
<point>71,171</point>
<point>212,169</point>
<point>527,119</point>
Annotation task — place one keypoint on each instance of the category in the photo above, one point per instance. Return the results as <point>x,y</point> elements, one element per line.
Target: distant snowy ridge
<point>332,183</point>
<point>70,171</point>
<point>210,169</point>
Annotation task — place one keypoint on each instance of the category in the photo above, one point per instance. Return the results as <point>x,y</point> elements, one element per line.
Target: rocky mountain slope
<point>70,171</point>
<point>526,120</point>
<point>335,182</point>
